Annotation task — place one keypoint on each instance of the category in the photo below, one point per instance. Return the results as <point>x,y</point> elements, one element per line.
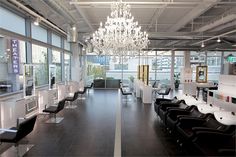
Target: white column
<point>222,63</point>
<point>187,59</point>
<point>172,68</point>
<point>75,62</point>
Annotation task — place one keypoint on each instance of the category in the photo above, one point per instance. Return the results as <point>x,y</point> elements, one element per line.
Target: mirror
<point>201,74</point>
<point>29,80</point>
<point>52,76</point>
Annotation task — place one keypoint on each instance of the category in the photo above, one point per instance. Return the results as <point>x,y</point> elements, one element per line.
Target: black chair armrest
<point>190,121</point>
<point>8,130</point>
<point>208,136</point>
<point>177,111</point>
<point>187,118</point>
<point>206,129</point>
<point>227,152</point>
<point>163,99</point>
<point>165,106</point>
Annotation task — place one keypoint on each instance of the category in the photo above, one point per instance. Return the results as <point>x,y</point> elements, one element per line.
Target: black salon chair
<point>188,126</point>
<point>71,99</point>
<point>54,110</point>
<point>89,87</point>
<point>81,93</point>
<point>164,92</point>
<point>15,134</point>
<point>214,144</point>
<point>125,93</point>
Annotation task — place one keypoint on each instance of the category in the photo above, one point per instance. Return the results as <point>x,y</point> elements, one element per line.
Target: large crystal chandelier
<point>120,36</point>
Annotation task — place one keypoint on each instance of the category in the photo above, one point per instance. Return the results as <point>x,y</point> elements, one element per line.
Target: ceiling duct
<point>60,10</point>
<point>26,9</point>
<point>216,23</point>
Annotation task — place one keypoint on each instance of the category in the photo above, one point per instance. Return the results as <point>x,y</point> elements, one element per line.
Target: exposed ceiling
<point>171,24</point>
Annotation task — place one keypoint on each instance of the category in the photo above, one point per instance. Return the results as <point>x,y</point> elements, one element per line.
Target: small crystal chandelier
<point>120,36</point>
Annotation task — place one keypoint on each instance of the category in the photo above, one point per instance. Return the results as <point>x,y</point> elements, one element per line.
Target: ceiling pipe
<point>18,4</point>
<point>216,23</point>
<point>216,36</point>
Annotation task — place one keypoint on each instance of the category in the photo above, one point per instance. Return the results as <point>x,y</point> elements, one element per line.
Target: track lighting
<point>218,40</point>
<point>37,20</point>
<point>203,45</point>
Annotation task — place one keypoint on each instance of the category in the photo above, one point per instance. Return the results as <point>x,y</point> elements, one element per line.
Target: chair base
<point>71,106</point>
<point>54,120</point>
<point>17,151</point>
<point>81,98</point>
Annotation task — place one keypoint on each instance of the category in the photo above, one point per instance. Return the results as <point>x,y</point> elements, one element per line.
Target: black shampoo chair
<point>214,143</point>
<point>188,126</point>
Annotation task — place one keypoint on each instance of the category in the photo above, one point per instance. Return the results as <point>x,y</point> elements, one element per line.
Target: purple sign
<point>15,56</point>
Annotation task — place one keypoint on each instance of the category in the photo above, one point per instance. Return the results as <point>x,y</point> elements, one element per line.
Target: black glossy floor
<point>89,130</point>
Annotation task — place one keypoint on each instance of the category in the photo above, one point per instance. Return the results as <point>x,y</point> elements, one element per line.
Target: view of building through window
<point>160,66</point>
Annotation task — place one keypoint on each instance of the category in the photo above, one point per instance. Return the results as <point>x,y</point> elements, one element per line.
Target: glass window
<point>67,64</point>
<point>9,21</point>
<point>179,61</point>
<point>107,67</point>
<point>56,59</point>
<point>40,61</point>
<point>12,57</point>
<point>66,45</point>
<point>56,40</point>
<point>214,65</point>
<point>96,66</point>
<point>39,33</point>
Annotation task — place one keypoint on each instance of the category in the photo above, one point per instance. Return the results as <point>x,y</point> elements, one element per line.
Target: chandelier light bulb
<point>121,36</point>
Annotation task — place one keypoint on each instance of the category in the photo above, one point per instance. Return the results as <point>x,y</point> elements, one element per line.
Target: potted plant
<point>177,81</point>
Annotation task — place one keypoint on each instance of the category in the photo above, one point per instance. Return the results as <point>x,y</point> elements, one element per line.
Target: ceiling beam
<point>194,13</point>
